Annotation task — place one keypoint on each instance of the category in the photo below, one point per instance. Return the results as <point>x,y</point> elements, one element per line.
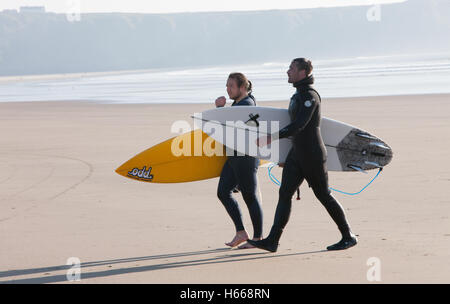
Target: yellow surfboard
<point>188,157</point>
<point>191,156</point>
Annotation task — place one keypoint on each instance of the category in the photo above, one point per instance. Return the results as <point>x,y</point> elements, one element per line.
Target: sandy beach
<point>60,198</point>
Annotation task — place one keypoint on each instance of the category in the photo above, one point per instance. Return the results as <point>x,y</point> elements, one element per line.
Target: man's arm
<point>305,111</point>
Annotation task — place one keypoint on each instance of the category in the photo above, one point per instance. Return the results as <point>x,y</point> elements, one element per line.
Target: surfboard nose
<point>122,169</point>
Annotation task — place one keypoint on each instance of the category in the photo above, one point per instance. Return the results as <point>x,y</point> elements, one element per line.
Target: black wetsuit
<point>305,160</point>
<point>240,171</point>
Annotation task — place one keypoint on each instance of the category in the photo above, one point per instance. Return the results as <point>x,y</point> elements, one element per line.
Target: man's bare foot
<point>240,237</point>
<point>248,245</point>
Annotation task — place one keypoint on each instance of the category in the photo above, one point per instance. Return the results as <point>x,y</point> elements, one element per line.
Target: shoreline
<point>71,75</point>
<point>353,98</point>
<point>63,76</point>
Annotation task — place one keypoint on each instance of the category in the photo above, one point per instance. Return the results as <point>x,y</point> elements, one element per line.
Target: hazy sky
<point>167,6</point>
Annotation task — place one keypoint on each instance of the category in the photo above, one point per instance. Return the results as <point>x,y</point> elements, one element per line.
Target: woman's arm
<point>221,101</point>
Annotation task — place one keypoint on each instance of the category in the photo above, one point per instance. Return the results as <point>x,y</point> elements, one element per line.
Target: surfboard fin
<point>364,135</point>
<point>373,164</point>
<point>379,145</point>
<point>356,168</point>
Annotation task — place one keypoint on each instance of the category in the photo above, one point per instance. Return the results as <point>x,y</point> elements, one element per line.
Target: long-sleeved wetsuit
<point>241,171</point>
<point>307,157</point>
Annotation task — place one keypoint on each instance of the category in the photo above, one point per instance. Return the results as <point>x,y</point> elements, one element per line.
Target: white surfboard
<point>348,148</point>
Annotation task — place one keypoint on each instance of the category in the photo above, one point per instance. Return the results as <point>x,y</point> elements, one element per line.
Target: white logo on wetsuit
<point>308,103</point>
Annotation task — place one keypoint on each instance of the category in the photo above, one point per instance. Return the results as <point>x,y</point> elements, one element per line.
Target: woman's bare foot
<point>240,237</point>
<point>247,245</point>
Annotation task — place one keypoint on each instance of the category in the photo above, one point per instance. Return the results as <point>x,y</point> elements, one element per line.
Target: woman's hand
<point>221,101</point>
<point>264,141</point>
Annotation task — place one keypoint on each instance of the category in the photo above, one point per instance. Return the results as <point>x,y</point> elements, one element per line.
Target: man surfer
<point>306,159</point>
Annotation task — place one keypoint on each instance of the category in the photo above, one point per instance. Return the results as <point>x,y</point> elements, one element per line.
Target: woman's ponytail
<point>249,90</point>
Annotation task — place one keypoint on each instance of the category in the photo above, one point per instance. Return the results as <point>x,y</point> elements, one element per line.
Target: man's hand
<point>221,101</point>
<point>264,141</point>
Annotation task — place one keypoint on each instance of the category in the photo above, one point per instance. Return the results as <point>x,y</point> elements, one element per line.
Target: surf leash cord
<point>278,183</point>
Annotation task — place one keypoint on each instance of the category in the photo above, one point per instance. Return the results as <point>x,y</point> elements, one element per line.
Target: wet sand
<point>60,198</point>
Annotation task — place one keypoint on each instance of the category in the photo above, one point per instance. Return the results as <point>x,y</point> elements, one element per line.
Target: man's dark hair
<point>303,64</point>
